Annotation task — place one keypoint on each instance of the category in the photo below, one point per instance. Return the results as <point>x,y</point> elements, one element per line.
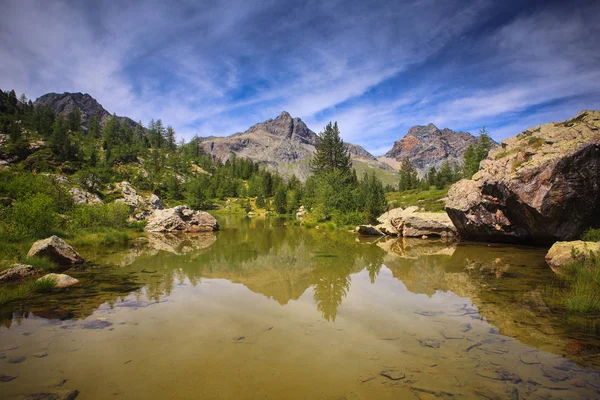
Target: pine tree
<point>280,200</point>
<point>408,176</point>
<point>170,137</point>
<point>330,152</point>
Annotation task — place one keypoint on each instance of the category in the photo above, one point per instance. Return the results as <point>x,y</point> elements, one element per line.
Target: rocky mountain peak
<point>286,127</point>
<point>427,146</point>
<point>64,103</point>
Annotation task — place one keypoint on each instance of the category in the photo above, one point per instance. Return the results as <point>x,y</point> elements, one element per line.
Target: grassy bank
<point>430,200</point>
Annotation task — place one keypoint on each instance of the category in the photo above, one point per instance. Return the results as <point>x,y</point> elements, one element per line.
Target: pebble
<point>393,374</point>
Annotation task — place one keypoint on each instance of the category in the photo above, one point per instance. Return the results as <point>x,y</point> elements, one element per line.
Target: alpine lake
<point>266,310</point>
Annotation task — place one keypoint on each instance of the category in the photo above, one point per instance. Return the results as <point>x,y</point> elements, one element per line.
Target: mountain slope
<point>66,102</point>
<point>427,146</point>
<point>286,144</point>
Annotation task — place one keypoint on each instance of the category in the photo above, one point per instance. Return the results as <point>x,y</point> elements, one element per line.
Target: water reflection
<point>282,263</point>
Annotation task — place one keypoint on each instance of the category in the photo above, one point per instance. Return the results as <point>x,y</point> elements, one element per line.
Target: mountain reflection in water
<point>399,293</point>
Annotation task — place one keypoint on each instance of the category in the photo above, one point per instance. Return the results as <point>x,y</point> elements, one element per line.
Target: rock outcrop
<point>181,219</point>
<point>411,222</point>
<point>540,186</point>
<point>428,146</point>
<point>81,196</point>
<point>138,206</point>
<point>57,250</point>
<point>562,253</point>
<point>17,272</point>
<point>60,280</point>
<point>285,144</point>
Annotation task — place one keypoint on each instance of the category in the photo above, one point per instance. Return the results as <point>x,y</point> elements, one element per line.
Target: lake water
<point>266,311</point>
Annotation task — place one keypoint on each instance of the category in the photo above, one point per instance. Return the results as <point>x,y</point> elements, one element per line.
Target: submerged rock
<point>56,250</point>
<point>540,186</point>
<point>17,272</point>
<point>61,280</point>
<point>181,219</point>
<point>562,253</point>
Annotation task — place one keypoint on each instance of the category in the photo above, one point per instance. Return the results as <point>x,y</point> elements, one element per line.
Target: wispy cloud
<point>217,67</point>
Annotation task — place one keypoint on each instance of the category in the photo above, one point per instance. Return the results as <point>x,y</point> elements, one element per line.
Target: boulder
<point>540,186</point>
<point>561,253</point>
<point>81,196</point>
<point>56,250</point>
<point>368,230</point>
<point>61,280</point>
<point>301,212</point>
<point>411,222</point>
<point>155,202</point>
<point>181,219</point>
<point>17,272</point>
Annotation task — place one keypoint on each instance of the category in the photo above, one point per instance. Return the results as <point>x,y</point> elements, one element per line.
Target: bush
<point>31,217</point>
<point>591,235</point>
<point>99,215</point>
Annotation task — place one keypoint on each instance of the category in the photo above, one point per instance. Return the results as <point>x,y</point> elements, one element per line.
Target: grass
<point>536,142</point>
<point>24,290</point>
<point>429,200</point>
<point>583,293</point>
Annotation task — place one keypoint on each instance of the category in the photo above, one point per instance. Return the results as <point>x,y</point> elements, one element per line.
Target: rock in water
<point>561,253</point>
<point>540,186</point>
<point>16,272</point>
<point>411,222</point>
<point>61,280</point>
<point>181,219</point>
<point>56,250</point>
<point>368,230</point>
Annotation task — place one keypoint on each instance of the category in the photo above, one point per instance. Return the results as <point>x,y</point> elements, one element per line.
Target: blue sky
<point>377,67</point>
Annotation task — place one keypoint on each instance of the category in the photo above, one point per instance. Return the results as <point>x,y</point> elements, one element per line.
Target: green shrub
<point>350,218</point>
<point>33,216</point>
<point>591,235</point>
<point>112,215</point>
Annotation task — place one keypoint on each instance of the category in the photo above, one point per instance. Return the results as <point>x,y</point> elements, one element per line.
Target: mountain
<point>427,146</point>
<point>286,144</point>
<point>65,103</point>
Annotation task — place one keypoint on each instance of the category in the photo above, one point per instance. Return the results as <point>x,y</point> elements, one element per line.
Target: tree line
<point>97,154</point>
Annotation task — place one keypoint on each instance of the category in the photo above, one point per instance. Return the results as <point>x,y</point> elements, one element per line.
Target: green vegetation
<point>429,200</point>
<point>475,154</point>
<point>582,295</point>
<point>334,192</point>
<point>20,291</point>
<point>591,235</point>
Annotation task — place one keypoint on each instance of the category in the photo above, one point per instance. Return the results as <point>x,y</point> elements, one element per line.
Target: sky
<point>376,67</point>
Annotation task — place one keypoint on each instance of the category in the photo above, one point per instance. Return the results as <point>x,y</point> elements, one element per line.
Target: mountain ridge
<point>427,146</point>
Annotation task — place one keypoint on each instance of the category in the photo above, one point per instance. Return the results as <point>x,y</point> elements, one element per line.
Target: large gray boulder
<point>17,272</point>
<point>57,250</point>
<point>411,222</point>
<point>181,219</point>
<point>540,186</point>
